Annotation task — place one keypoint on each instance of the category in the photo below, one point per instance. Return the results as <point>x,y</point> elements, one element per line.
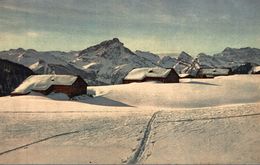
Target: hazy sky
<point>159,26</point>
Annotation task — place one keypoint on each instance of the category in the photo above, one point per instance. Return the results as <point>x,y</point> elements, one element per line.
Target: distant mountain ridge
<point>231,58</point>
<point>109,61</point>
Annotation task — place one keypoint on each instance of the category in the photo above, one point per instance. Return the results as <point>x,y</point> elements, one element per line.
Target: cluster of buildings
<point>75,85</point>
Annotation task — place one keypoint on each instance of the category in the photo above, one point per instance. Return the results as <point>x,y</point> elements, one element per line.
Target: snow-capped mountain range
<point>110,61</point>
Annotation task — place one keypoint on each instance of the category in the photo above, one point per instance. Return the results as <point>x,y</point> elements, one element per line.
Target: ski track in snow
<point>39,141</point>
<point>210,118</point>
<point>137,155</point>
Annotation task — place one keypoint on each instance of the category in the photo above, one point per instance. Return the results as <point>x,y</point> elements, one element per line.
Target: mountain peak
<point>31,50</point>
<point>106,48</point>
<point>227,49</point>
<point>185,57</point>
<point>184,53</point>
<point>202,55</point>
<point>114,41</point>
<point>17,50</point>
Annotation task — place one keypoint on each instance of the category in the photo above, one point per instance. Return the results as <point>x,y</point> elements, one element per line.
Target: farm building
<point>211,73</point>
<point>243,69</point>
<point>256,70</point>
<point>152,74</point>
<point>46,84</point>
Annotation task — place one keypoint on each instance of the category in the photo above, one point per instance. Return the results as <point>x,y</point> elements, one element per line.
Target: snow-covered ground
<point>190,93</point>
<point>195,121</point>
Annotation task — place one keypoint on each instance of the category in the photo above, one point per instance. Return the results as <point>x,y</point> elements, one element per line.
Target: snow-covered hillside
<point>188,93</point>
<point>149,56</point>
<point>134,123</point>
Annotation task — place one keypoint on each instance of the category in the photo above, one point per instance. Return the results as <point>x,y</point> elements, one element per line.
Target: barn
<point>152,74</point>
<point>46,84</point>
<point>211,73</point>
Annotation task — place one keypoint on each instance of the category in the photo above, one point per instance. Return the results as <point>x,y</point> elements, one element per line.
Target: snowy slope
<point>167,62</point>
<point>149,56</point>
<point>176,123</point>
<point>186,94</point>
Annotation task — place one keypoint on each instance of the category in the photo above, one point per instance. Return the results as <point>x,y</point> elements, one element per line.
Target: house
<point>255,70</point>
<point>211,73</point>
<point>152,74</point>
<point>46,84</point>
<point>243,69</point>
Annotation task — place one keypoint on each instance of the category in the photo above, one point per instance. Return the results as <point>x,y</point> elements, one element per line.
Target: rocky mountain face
<point>183,62</point>
<point>109,61</point>
<point>240,61</point>
<point>232,58</point>
<point>11,75</point>
<point>50,62</point>
<point>185,57</point>
<point>149,56</point>
<point>168,62</point>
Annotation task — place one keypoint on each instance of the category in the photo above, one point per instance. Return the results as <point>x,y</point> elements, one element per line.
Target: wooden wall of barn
<point>79,87</point>
<point>172,77</point>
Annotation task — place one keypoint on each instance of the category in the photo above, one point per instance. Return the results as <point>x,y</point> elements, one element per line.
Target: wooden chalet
<point>46,84</point>
<point>152,74</point>
<point>211,73</point>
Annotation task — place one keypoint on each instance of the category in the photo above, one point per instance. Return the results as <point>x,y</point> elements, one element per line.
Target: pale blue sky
<point>159,26</point>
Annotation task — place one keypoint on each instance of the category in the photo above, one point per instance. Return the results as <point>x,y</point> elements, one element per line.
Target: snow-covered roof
<point>141,73</point>
<point>217,71</point>
<point>184,75</point>
<point>256,69</point>
<point>43,82</point>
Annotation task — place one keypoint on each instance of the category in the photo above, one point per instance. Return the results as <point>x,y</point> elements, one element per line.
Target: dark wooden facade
<point>172,77</point>
<point>200,73</point>
<point>79,87</point>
